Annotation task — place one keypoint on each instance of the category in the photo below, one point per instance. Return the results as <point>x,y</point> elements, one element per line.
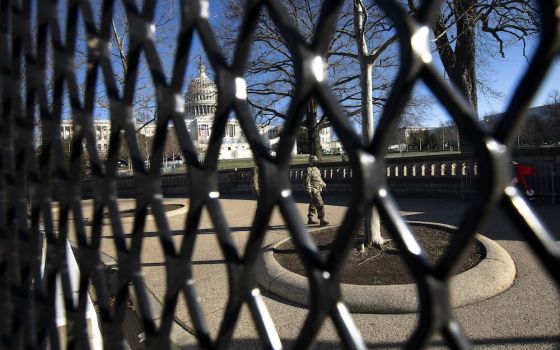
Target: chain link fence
<point>33,32</point>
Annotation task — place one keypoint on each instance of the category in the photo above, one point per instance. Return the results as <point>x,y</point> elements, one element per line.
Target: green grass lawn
<point>249,162</point>
<point>417,154</point>
<point>302,159</point>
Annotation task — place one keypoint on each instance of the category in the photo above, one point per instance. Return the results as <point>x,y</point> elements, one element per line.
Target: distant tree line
<point>542,127</point>
<point>442,138</point>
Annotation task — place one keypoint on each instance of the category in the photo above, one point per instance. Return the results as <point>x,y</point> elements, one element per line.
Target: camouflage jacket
<point>313,179</point>
<point>255,181</point>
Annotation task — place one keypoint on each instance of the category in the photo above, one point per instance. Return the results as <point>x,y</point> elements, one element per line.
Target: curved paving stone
<point>492,276</point>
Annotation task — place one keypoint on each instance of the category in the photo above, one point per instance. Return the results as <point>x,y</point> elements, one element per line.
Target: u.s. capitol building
<point>200,107</point>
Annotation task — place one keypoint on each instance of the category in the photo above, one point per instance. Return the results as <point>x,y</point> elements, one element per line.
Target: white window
<point>230,131</point>
<point>203,130</point>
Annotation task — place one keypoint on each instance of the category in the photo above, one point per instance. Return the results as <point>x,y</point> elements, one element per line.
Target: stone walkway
<point>525,316</point>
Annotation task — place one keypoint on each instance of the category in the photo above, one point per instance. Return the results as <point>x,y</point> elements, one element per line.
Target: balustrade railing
<point>38,43</point>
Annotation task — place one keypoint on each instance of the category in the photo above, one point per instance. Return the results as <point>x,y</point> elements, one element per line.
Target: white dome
<point>201,95</point>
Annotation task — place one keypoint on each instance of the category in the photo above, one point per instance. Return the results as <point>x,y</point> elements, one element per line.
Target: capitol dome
<point>201,95</point>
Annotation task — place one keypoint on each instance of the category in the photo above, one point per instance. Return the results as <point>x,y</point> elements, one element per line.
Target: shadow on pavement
<point>200,262</point>
<point>503,343</point>
<point>204,231</point>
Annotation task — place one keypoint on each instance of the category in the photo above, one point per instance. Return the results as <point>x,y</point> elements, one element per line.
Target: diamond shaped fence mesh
<point>39,41</point>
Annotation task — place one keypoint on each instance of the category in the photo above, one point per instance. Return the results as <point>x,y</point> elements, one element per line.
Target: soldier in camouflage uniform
<point>255,182</point>
<point>314,185</point>
<point>255,178</point>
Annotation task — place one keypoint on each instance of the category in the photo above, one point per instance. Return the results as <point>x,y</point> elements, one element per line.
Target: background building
<point>102,128</point>
<point>325,137</point>
<point>200,106</point>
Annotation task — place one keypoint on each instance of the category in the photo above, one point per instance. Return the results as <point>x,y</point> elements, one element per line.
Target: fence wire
<point>34,33</point>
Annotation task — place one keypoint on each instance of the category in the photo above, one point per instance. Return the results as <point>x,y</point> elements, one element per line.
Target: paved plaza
<point>524,317</point>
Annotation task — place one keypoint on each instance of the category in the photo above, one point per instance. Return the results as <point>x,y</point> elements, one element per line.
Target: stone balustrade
<point>447,176</point>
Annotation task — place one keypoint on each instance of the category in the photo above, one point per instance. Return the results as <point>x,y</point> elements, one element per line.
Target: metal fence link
<point>37,43</point>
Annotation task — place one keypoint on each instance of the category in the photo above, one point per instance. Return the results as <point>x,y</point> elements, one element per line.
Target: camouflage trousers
<point>316,205</point>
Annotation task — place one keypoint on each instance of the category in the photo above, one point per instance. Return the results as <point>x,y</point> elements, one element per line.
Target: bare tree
<point>144,104</point>
<point>552,118</point>
<point>470,30</point>
<point>369,17</point>
<point>367,60</point>
<point>451,135</point>
<point>172,148</point>
<point>270,72</point>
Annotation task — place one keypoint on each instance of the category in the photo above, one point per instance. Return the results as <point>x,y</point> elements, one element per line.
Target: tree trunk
<point>464,75</point>
<point>313,130</point>
<point>372,225</point>
<point>460,64</point>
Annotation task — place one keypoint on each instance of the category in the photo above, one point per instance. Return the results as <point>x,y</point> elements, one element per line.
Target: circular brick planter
<point>492,276</point>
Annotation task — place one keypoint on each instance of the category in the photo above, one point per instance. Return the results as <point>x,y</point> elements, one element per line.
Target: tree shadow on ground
<point>204,231</point>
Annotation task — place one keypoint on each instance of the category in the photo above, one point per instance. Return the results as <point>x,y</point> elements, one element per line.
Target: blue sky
<point>507,73</point>
<point>502,75</point>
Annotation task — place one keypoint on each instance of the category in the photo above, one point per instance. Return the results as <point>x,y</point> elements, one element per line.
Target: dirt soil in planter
<point>376,267</point>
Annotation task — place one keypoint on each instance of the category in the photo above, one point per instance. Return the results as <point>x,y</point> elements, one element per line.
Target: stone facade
<point>102,130</point>
<point>200,107</point>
